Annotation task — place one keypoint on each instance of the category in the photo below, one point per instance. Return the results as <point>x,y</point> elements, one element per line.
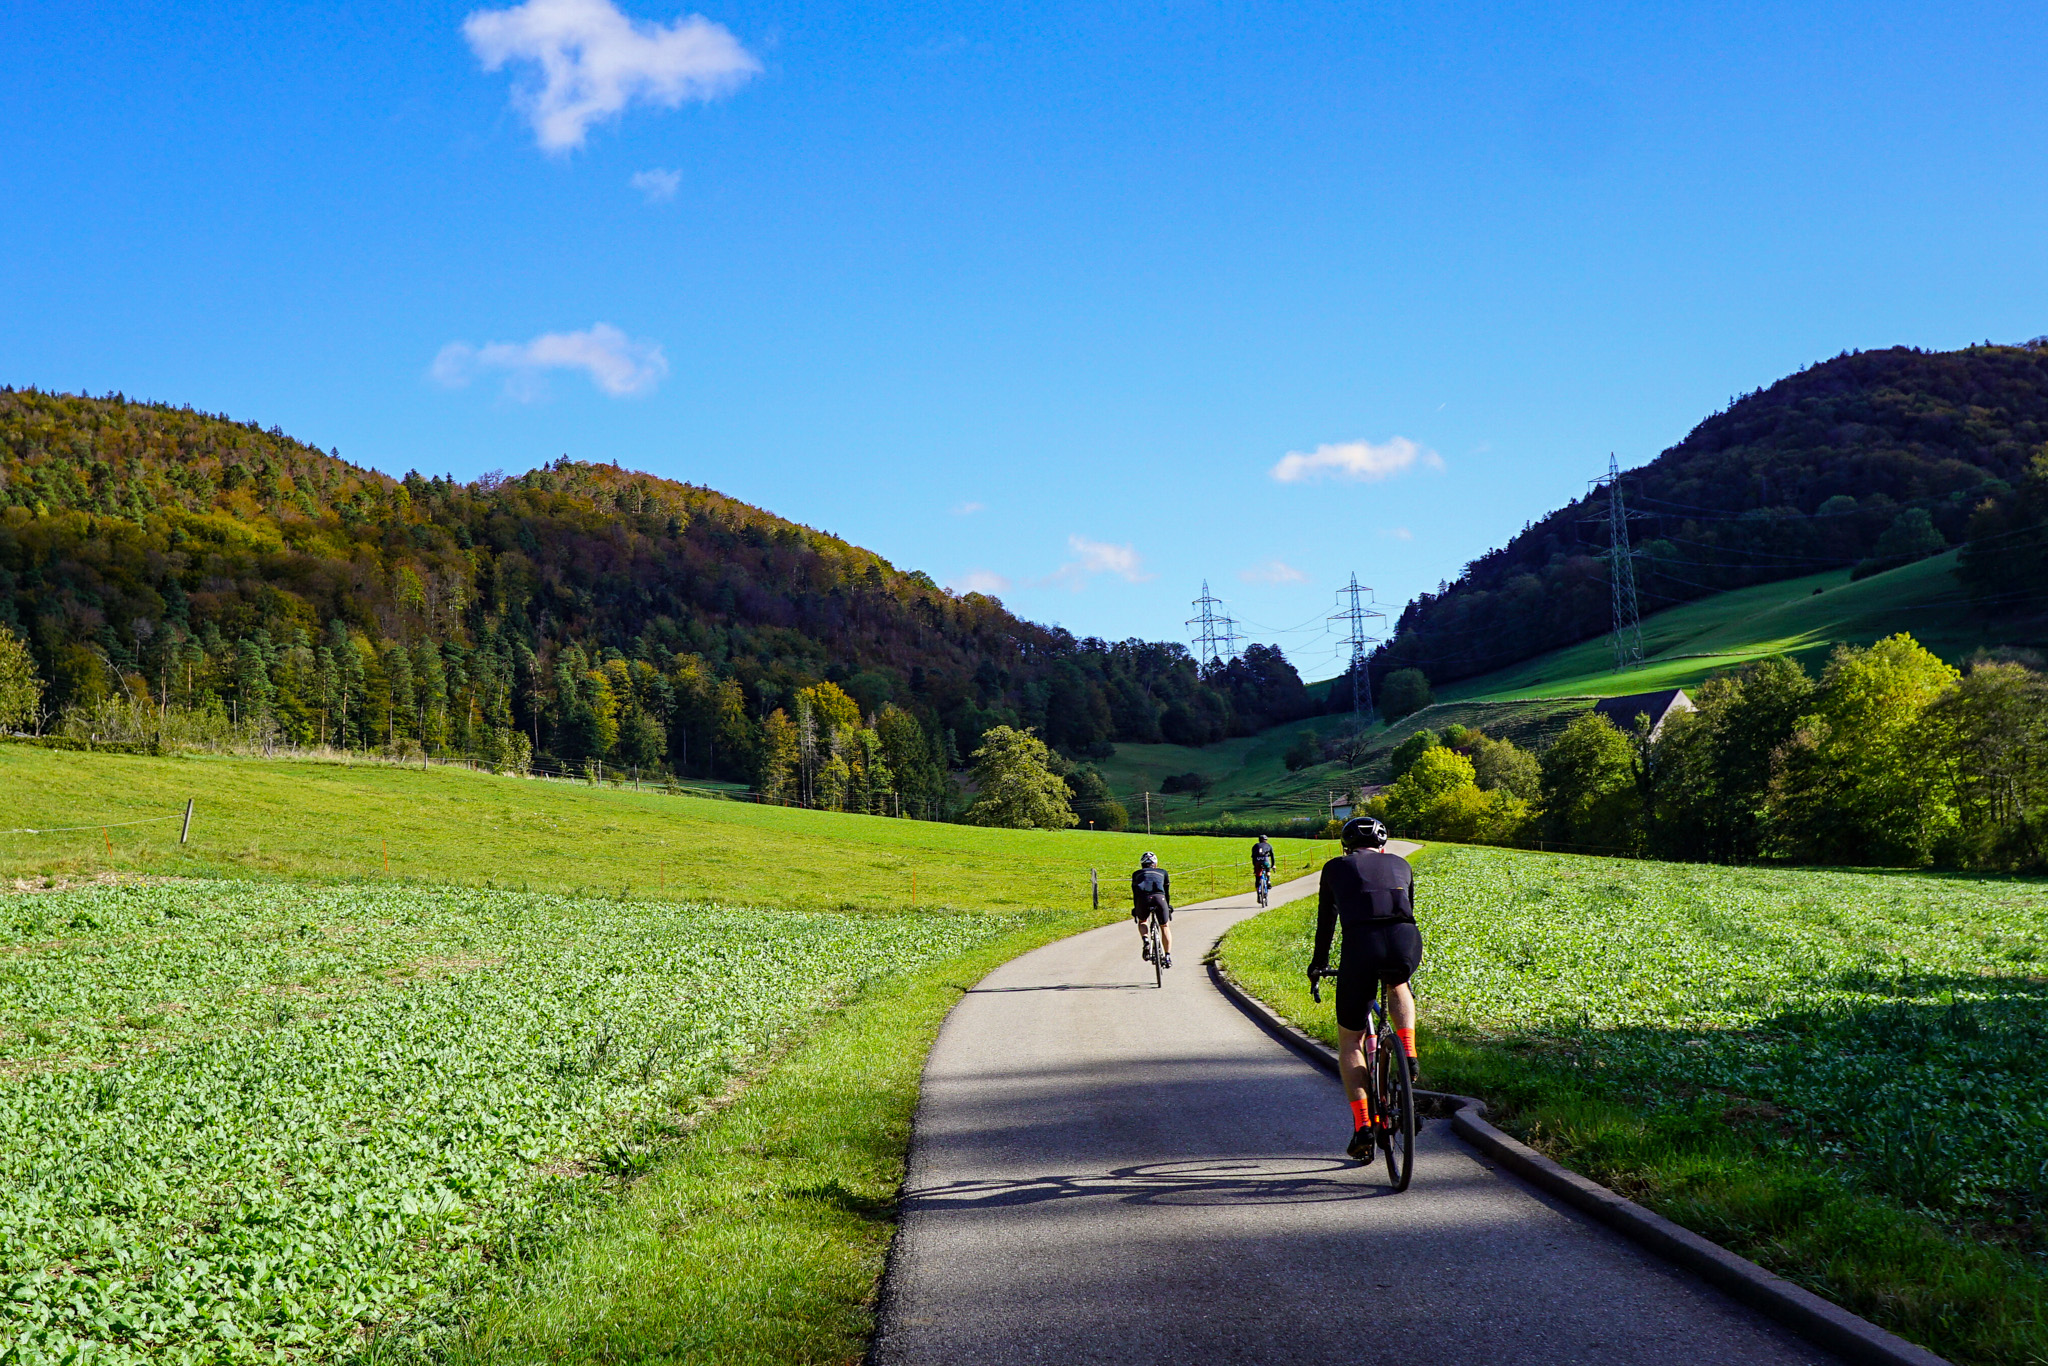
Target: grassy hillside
<point>1837,1074</point>
<point>449,825</point>
<point>1531,701</point>
<point>1805,618</point>
<point>1876,456</point>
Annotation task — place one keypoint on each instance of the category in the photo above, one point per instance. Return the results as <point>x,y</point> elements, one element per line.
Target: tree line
<point>225,576</point>
<point>1891,757</point>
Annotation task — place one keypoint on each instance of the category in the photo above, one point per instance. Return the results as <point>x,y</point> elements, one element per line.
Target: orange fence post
<point>109,839</point>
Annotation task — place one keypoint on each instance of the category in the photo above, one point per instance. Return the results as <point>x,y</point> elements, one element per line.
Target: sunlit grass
<point>1836,1074</point>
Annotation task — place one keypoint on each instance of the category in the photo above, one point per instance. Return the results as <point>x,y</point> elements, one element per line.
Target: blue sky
<point>1043,298</point>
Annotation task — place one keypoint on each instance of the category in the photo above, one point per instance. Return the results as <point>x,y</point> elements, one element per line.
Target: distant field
<point>1805,618</point>
<point>326,821</point>
<point>1798,1063</point>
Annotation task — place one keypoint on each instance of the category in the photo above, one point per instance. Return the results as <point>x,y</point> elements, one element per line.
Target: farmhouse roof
<point>1658,706</point>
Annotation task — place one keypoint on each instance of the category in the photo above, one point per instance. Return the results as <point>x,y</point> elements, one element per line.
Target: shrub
<point>1409,750</point>
<point>1403,693</point>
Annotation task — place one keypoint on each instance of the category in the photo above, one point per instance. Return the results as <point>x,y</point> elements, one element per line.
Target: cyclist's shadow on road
<point>1209,1181</point>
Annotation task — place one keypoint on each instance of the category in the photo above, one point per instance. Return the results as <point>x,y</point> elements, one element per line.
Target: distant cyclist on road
<point>1152,890</point>
<point>1262,860</point>
<point>1372,893</point>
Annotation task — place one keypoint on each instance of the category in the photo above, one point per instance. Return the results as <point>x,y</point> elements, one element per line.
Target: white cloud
<point>1272,571</point>
<point>1399,533</point>
<point>968,509</point>
<point>658,185</point>
<point>593,61</point>
<point>1358,460</point>
<point>1099,557</point>
<point>980,581</point>
<point>616,364</point>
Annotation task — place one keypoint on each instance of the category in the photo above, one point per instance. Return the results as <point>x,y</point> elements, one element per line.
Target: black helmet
<point>1148,859</point>
<point>1363,832</point>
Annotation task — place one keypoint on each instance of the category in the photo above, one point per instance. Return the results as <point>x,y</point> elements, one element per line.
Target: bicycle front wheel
<point>1397,1111</point>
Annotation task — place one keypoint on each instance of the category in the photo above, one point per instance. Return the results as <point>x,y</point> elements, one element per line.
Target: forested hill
<point>1870,459</point>
<point>197,557</point>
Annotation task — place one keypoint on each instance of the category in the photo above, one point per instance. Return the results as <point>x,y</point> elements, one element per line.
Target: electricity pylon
<point>1354,617</point>
<point>1215,634</point>
<point>1621,571</point>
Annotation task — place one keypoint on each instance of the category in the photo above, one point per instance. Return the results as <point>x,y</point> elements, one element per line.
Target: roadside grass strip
<point>1839,1075</point>
<point>249,1122</point>
<point>760,1241</point>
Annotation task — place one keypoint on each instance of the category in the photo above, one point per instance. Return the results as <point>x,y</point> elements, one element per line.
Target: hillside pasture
<point>1804,618</point>
<point>449,825</point>
<point>1837,1074</point>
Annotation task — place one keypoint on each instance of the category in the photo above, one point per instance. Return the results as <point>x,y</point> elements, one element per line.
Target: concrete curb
<point>1820,1322</point>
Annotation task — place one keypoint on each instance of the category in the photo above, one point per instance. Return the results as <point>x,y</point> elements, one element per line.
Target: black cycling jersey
<point>1364,889</point>
<point>1262,857</point>
<point>1151,888</point>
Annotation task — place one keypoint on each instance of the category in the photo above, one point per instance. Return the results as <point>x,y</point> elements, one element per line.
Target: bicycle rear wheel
<point>1158,952</point>
<point>1396,1104</point>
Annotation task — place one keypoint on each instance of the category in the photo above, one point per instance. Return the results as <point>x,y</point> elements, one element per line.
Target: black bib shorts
<point>1388,953</point>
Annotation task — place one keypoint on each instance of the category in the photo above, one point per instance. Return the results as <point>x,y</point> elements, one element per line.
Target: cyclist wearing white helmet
<point>1152,890</point>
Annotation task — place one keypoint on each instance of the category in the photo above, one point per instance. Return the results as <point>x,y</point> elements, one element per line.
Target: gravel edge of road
<point>1823,1323</point>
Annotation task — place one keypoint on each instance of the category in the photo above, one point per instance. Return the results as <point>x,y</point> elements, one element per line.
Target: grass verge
<point>761,1237</point>
<point>1722,1046</point>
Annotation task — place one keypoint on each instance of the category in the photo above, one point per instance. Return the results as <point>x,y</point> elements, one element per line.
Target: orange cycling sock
<point>1358,1113</point>
<point>1407,1037</point>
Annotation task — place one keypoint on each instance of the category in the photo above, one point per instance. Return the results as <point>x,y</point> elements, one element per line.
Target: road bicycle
<point>1389,1092</point>
<point>1154,930</point>
<point>1265,881</point>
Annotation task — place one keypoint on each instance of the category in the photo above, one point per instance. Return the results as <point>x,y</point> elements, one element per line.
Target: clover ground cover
<point>258,1121</point>
<point>1817,1067</point>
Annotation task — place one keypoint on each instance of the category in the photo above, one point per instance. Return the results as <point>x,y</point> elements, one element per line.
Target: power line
<point>1216,635</point>
<point>1621,571</point>
<point>1354,617</point>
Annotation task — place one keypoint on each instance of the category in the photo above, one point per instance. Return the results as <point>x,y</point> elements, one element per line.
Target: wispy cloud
<point>593,61</point>
<point>1399,533</point>
<point>1356,460</point>
<point>1272,571</point>
<point>658,185</point>
<point>1099,557</point>
<point>617,364</point>
<point>980,581</point>
<point>968,509</point>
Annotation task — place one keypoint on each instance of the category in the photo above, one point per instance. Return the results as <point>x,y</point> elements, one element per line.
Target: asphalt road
<point>1107,1171</point>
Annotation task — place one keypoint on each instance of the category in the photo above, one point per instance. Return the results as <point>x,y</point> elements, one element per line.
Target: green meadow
<point>1837,1074</point>
<point>451,826</point>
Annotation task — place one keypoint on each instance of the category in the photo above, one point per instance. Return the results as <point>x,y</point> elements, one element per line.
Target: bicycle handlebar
<point>1315,982</point>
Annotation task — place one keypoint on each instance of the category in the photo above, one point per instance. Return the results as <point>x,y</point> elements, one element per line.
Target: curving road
<point>1103,1171</point>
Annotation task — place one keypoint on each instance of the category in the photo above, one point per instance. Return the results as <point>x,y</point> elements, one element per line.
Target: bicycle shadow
<point>1203,1181</point>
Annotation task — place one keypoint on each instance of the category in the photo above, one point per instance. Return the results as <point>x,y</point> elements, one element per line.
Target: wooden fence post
<point>185,832</point>
<point>1095,888</point>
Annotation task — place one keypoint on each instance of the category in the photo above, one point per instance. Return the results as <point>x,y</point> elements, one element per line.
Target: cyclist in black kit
<point>1152,890</point>
<point>1262,858</point>
<point>1372,893</point>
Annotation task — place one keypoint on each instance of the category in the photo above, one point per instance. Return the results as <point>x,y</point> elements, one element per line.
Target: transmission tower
<point>1354,610</point>
<point>1621,571</point>
<point>1215,634</point>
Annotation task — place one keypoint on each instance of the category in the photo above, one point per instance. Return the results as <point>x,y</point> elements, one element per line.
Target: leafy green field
<point>1838,1074</point>
<point>327,821</point>
<point>242,1120</point>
